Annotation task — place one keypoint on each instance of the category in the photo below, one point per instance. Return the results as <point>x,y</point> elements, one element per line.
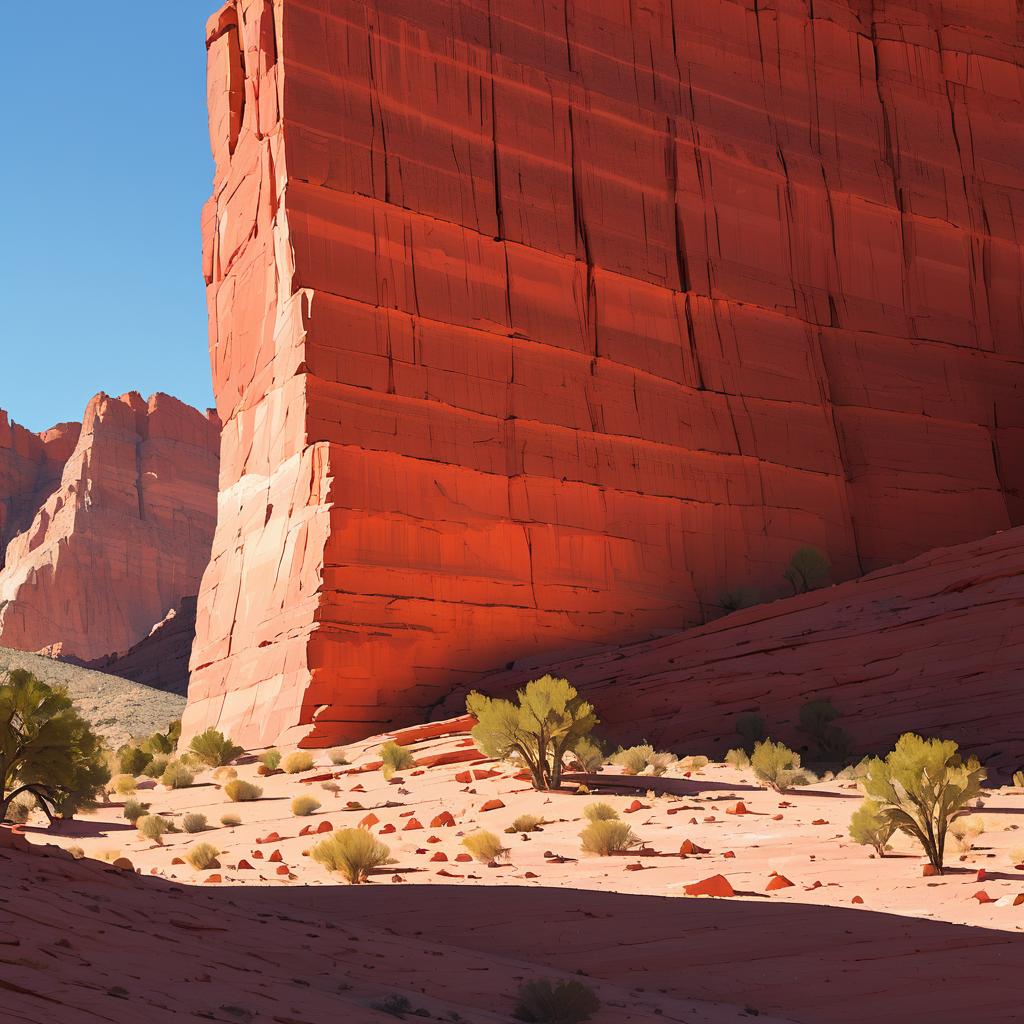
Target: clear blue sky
<point>105,166</point>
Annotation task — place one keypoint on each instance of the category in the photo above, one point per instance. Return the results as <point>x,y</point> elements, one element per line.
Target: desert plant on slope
<point>965,832</point>
<point>240,791</point>
<point>643,760</point>
<point>214,749</point>
<point>921,786</point>
<point>271,759</point>
<point>177,776</point>
<point>338,755</point>
<point>559,1002</point>
<point>203,856</point>
<point>153,827</point>
<point>1018,779</point>
<point>808,569</point>
<point>156,766</point>
<point>395,759</point>
<point>230,820</point>
<point>134,809</point>
<point>525,823</point>
<point>694,763</point>
<point>131,759</point>
<point>589,754</point>
<point>870,828</point>
<point>298,761</point>
<point>817,718</point>
<point>46,748</point>
<point>303,806</point>
<point>607,837</point>
<point>485,846</point>
<point>600,811</point>
<point>738,758</point>
<point>352,852</point>
<point>735,600</point>
<point>777,766</point>
<point>123,785</point>
<point>193,822</point>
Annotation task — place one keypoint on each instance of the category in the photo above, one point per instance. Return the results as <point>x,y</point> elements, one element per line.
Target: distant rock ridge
<point>106,524</point>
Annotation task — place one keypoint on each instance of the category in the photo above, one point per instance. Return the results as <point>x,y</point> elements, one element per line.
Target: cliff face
<point>540,325</point>
<point>120,530</point>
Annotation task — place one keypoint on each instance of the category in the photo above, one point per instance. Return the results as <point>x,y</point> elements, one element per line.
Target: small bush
<point>230,820</point>
<point>132,759</point>
<point>332,787</point>
<point>735,600</point>
<point>338,755</point>
<point>394,1004</point>
<point>353,852</point>
<point>694,763</point>
<point>298,761</point>
<point>633,760</point>
<point>870,828</point>
<point>808,569</point>
<point>738,758</point>
<point>396,759</point>
<point>965,832</point>
<point>559,1002</point>
<point>750,729</point>
<point>1018,779</point>
<point>777,766</point>
<point>485,846</point>
<point>124,785</point>
<point>153,827</point>
<point>156,766</point>
<point>213,748</point>
<point>600,811</point>
<point>193,823</point>
<point>177,776</point>
<point>525,823</point>
<point>76,851</point>
<point>20,809</point>
<point>590,755</point>
<point>240,791</point>
<point>271,759</point>
<point>133,810</point>
<point>203,856</point>
<point>606,837</point>
<point>303,806</point>
<point>224,774</point>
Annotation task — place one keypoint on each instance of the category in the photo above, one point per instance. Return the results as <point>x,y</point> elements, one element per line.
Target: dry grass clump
<point>153,827</point>
<point>214,749</point>
<point>76,851</point>
<point>240,791</point>
<point>643,760</point>
<point>778,767</point>
<point>352,852</point>
<point>965,831</point>
<point>203,856</point>
<point>694,763</point>
<point>600,811</point>
<point>607,837</point>
<point>338,756</point>
<point>525,823</point>
<point>230,820</point>
<point>193,823</point>
<point>224,774</point>
<point>485,846</point>
<point>156,766</point>
<point>331,787</point>
<point>302,806</point>
<point>559,1002</point>
<point>134,809</point>
<point>396,759</point>
<point>589,755</point>
<point>177,776</point>
<point>271,759</point>
<point>123,785</point>
<point>298,761</point>
<point>737,757</point>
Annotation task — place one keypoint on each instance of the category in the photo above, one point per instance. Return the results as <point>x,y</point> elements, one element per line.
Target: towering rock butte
<point>106,525</point>
<point>542,324</point>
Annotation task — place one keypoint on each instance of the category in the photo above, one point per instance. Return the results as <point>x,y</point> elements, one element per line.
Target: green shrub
<point>338,755</point>
<point>395,759</point>
<point>230,820</point>
<point>778,767</point>
<point>203,856</point>
<point>156,766</point>
<point>816,721</point>
<point>525,823</point>
<point>485,846</point>
<point>870,828</point>
<point>560,1002</point>
<point>600,811</point>
<point>853,772</point>
<point>134,809</point>
<point>808,569</point>
<point>750,729</point>
<point>124,785</point>
<point>331,786</point>
<point>353,852</point>
<point>694,763</point>
<point>240,791</point>
<point>608,836</point>
<point>177,776</point>
<point>214,749</point>
<point>589,754</point>
<point>298,761</point>
<point>153,827</point>
<point>271,759</point>
<point>132,759</point>
<point>920,787</point>
<point>160,743</point>
<point>19,811</point>
<point>303,806</point>
<point>193,823</point>
<point>643,760</point>
<point>547,721</point>
<point>738,758</point>
<point>1018,779</point>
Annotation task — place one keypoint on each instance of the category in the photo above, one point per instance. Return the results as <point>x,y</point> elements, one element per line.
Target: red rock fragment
<point>778,882</point>
<point>272,838</point>
<point>819,821</point>
<point>928,871</point>
<point>635,806</point>
<point>740,808</point>
<point>283,869</point>
<point>440,856</point>
<point>257,854</point>
<point>716,885</point>
<point>212,879</point>
<point>244,865</point>
<point>492,805</point>
<point>445,873</point>
<point>777,817</point>
<point>388,829</point>
<point>981,876</point>
<point>324,826</point>
<point>857,899</point>
<point>369,821</point>
<point>275,857</point>
<point>464,778</point>
<point>688,847</point>
<point>982,897</point>
<point>442,820</point>
<point>463,858</point>
<point>729,854</point>
<point>177,860</point>
<point>411,825</point>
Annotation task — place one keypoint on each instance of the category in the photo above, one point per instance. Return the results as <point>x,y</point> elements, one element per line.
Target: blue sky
<point>106,164</point>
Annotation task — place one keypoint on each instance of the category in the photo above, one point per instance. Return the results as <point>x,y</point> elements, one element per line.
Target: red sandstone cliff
<point>539,325</point>
<point>113,530</point>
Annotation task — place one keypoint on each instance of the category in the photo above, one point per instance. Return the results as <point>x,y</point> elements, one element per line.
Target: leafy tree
<point>548,720</point>
<point>46,748</point>
<point>816,721</point>
<point>213,748</point>
<point>920,787</point>
<point>870,827</point>
<point>589,754</point>
<point>808,569</point>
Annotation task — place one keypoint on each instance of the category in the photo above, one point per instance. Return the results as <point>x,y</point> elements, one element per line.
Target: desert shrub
<point>353,852</point>
<point>213,748</point>
<point>76,851</point>
<point>738,758</point>
<point>124,785</point>
<point>921,786</point>
<point>817,718</point>
<point>331,786</point>
<point>240,791</point>
<point>965,830</point>
<point>19,811</point>
<point>46,748</point>
<point>395,1005</point>
<point>395,759</point>
<point>161,743</point>
<point>224,774</point>
<point>156,766</point>
<point>548,719</point>
<point>643,760</point>
<point>734,600</point>
<point>134,809</point>
<point>1018,779</point>
<point>606,837</point>
<point>778,767</point>
<point>600,811</point>
<point>338,755</point>
<point>808,569</point>
<point>193,823</point>
<point>153,827</point>
<point>525,823</point>
<point>870,828</point>
<point>230,820</point>
<point>298,761</point>
<point>202,856</point>
<point>589,754</point>
<point>177,776</point>
<point>559,1002</point>
<point>853,772</point>
<point>271,759</point>
<point>694,763</point>
<point>485,846</point>
<point>303,806</point>
<point>751,730</point>
<point>131,759</point>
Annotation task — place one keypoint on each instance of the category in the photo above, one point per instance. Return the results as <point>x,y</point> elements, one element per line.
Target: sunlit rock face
<point>107,524</point>
<point>541,325</point>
